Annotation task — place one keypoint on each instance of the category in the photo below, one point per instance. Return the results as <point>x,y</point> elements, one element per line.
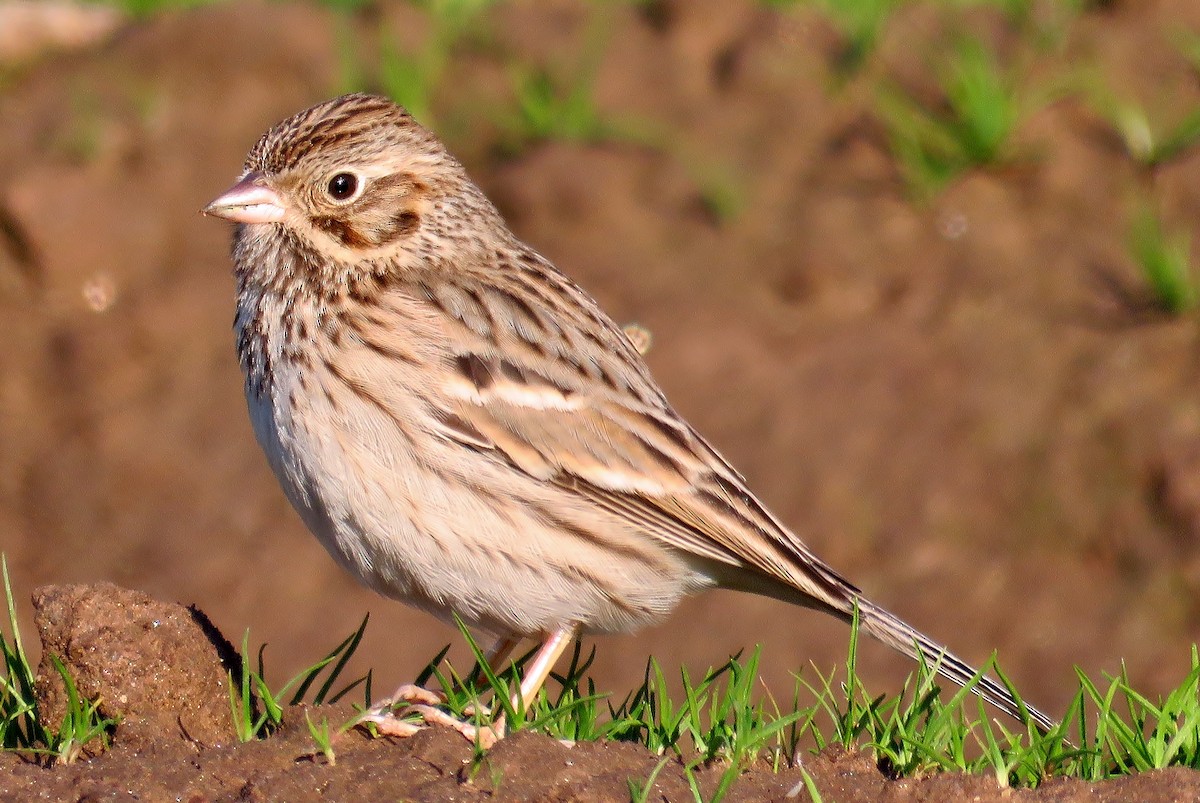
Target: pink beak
<point>250,200</point>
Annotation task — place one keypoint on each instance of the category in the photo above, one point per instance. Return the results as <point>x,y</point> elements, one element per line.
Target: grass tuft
<point>322,738</point>
<point>1149,140</point>
<point>22,727</point>
<point>411,78</point>
<point>82,722</point>
<point>1164,259</point>
<point>560,104</point>
<point>258,711</point>
<point>859,24</point>
<point>975,125</point>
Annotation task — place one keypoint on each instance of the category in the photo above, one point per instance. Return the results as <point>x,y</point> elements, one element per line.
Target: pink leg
<point>543,663</point>
<point>496,654</point>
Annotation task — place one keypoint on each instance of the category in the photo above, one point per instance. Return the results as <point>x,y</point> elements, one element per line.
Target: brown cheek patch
<point>404,223</point>
<point>343,231</point>
<point>364,235</point>
<point>403,190</point>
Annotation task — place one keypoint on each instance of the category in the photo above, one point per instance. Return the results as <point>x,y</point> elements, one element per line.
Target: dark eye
<point>342,186</point>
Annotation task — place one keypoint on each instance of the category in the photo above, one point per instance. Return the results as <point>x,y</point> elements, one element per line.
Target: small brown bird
<point>463,427</point>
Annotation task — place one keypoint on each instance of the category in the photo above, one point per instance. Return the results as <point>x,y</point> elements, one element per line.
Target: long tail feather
<point>904,638</point>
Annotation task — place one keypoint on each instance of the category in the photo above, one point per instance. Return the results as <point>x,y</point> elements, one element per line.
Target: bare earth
<point>162,668</point>
<point>966,408</point>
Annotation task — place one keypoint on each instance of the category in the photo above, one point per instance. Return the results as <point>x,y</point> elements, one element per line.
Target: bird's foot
<point>399,724</point>
<point>408,693</point>
<point>423,703</point>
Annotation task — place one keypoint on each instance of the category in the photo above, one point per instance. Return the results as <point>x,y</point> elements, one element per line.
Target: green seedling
<point>983,106</point>
<point>723,194</point>
<point>1153,735</point>
<point>560,104</point>
<point>1164,259</point>
<point>143,9</point>
<point>1152,135</point>
<point>82,722</point>
<point>809,785</point>
<point>321,738</point>
<point>411,78</point>
<point>1188,44</point>
<point>640,791</point>
<point>1116,730</point>
<point>547,109</point>
<point>860,25</point>
<point>1149,140</point>
<point>22,728</point>
<point>258,711</point>
<point>723,784</point>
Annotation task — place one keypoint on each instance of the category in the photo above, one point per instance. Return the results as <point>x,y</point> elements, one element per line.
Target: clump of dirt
<point>155,667</point>
<point>158,667</point>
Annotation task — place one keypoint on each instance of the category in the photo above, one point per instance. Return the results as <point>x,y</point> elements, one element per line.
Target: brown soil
<point>161,669</point>
<point>965,408</point>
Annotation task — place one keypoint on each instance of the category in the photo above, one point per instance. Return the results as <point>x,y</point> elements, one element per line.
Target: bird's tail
<point>904,638</point>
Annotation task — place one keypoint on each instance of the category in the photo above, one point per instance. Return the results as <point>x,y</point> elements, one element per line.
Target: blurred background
<point>921,269</point>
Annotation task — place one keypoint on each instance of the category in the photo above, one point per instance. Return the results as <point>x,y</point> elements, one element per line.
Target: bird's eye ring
<point>342,186</point>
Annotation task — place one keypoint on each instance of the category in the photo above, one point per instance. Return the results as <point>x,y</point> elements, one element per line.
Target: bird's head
<point>350,180</point>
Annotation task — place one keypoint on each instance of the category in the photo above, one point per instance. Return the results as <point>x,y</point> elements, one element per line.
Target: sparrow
<point>465,430</point>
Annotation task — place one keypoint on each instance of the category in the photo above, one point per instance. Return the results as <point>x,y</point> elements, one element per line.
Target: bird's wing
<point>558,390</point>
<point>645,465</point>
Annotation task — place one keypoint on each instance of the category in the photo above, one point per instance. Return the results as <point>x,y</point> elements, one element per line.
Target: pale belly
<point>420,523</point>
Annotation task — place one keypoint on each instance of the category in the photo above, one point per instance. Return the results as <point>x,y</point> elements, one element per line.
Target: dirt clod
<point>154,666</point>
